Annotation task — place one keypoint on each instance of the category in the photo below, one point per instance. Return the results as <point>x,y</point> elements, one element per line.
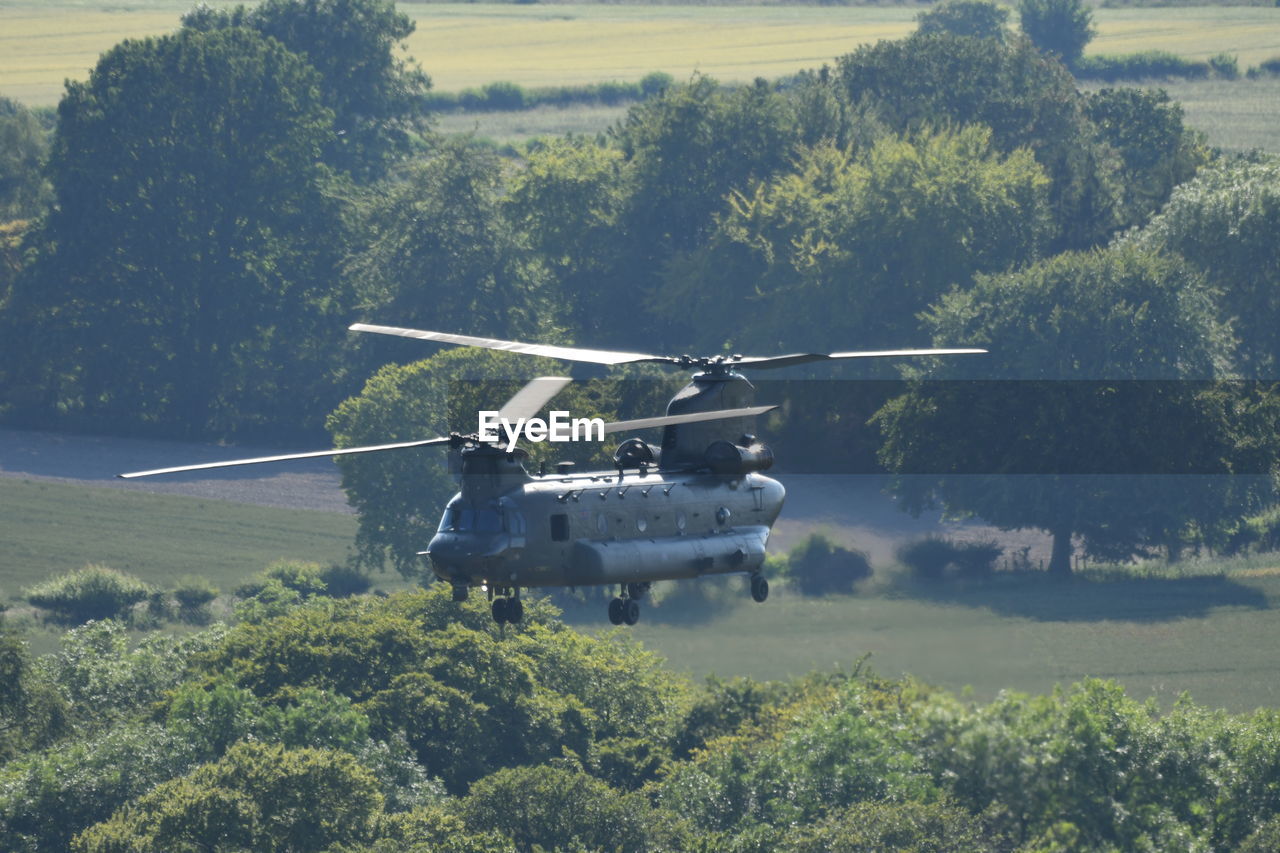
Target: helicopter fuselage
<point>603,528</point>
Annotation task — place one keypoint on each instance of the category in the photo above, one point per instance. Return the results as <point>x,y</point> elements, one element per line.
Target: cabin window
<point>559,527</point>
<point>642,524</point>
<point>462,518</point>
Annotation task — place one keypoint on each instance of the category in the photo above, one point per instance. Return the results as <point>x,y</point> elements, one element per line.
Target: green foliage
<point>1224,223</point>
<point>1115,314</point>
<point>1138,66</point>
<point>934,827</point>
<point>819,566</point>
<point>865,241</point>
<point>193,593</point>
<point>94,592</point>
<point>343,581</point>
<point>32,712</point>
<point>548,807</point>
<point>375,96</point>
<point>977,18</point>
<point>24,146</point>
<point>930,557</point>
<point>1157,152</point>
<point>300,576</point>
<point>436,253</point>
<point>1058,27</point>
<point>256,797</point>
<point>1225,65</point>
<point>188,274</point>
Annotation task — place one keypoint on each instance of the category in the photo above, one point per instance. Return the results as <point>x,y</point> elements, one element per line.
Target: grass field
<point>1214,637</point>
<point>50,528</point>
<point>466,45</point>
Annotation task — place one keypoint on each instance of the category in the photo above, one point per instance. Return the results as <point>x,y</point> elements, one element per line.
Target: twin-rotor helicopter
<point>696,505</point>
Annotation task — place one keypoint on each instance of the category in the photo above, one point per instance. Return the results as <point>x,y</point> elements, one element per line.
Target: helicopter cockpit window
<point>464,518</point>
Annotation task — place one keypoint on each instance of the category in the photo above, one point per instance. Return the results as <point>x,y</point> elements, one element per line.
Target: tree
<point>257,797</point>
<point>1026,99</point>
<point>24,145</point>
<point>188,266</point>
<point>1224,222</point>
<point>1092,319</point>
<point>977,18</point>
<point>1061,28</point>
<point>1157,152</point>
<point>437,253</point>
<point>375,96</point>
<point>866,242</point>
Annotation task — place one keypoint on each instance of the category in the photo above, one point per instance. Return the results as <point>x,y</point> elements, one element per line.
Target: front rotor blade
<point>530,399</point>
<point>767,362</point>
<point>340,451</point>
<point>591,356</point>
<point>692,417</point>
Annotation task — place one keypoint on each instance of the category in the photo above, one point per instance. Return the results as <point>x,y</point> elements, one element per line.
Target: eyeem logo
<point>560,428</point>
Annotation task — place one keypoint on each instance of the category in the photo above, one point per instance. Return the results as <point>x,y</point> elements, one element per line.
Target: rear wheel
<point>631,612</point>
<point>759,588</point>
<point>515,610</point>
<point>617,611</point>
<point>499,610</point>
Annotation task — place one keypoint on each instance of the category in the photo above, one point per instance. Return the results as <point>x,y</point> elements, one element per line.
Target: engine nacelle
<point>726,458</point>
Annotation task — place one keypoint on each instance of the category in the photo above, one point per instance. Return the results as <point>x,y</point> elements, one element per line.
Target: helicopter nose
<point>464,554</point>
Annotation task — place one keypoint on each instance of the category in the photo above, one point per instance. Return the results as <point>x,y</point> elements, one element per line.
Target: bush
<point>344,581</point>
<point>1225,65</point>
<point>1137,66</point>
<point>194,592</point>
<point>657,82</point>
<point>819,566</point>
<point>94,592</point>
<point>503,95</point>
<point>929,558</point>
<point>306,579</point>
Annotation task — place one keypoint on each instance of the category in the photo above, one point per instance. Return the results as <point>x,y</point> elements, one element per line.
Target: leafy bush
<point>94,592</point>
<point>819,566</point>
<point>1225,65</point>
<point>341,581</point>
<point>504,95</point>
<point>306,579</point>
<point>1137,66</point>
<point>194,592</point>
<point>930,557</point>
<point>655,83</point>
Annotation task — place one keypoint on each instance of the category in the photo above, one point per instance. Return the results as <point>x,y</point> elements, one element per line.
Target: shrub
<point>503,95</point>
<point>94,592</point>
<point>1225,65</point>
<point>298,575</point>
<point>929,558</point>
<point>655,83</point>
<point>1136,66</point>
<point>344,581</point>
<point>194,592</point>
<point>819,566</point>
<point>1270,66</point>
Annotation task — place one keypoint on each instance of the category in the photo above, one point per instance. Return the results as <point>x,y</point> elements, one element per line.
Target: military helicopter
<point>696,505</point>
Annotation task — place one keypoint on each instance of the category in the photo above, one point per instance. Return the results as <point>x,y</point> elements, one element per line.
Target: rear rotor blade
<point>692,417</point>
<point>591,356</point>
<point>767,362</point>
<point>230,463</point>
<point>530,399</point>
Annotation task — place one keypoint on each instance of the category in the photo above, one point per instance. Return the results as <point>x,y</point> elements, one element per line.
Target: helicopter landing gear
<point>626,609</point>
<point>508,610</point>
<point>759,588</point>
<point>460,592</point>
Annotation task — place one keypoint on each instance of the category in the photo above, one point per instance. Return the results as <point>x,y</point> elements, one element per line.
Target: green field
<point>1213,637</point>
<point>50,528</point>
<point>466,45</point>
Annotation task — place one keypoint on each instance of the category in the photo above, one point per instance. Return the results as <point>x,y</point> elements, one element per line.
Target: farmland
<point>468,45</point>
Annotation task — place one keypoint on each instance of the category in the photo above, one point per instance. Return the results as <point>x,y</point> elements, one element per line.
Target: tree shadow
<point>1083,599</point>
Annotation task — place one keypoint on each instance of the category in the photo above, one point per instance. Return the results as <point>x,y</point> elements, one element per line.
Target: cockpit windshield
<point>465,518</point>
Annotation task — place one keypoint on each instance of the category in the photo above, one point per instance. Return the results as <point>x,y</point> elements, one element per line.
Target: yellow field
<point>465,45</point>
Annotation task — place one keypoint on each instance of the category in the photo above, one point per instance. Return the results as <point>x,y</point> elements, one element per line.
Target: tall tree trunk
<point>1060,560</point>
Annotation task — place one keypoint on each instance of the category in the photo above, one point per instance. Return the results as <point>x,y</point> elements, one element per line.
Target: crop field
<point>467,45</point>
<point>50,528</point>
